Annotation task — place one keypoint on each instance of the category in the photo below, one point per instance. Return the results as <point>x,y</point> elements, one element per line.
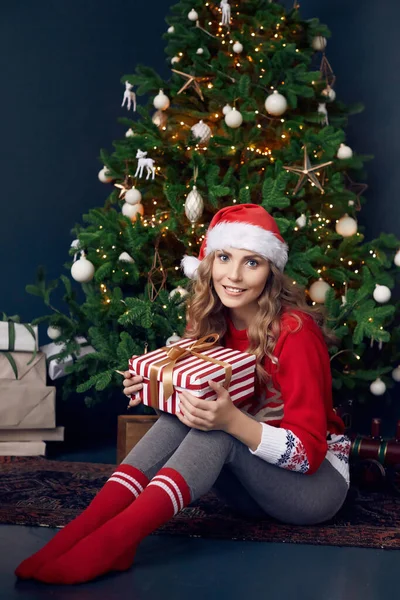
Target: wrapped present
<point>27,406</point>
<point>24,367</point>
<point>189,365</point>
<point>55,365</point>
<point>18,337</point>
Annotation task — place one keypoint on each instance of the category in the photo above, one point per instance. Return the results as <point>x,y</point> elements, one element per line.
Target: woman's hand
<point>207,415</point>
<point>132,384</point>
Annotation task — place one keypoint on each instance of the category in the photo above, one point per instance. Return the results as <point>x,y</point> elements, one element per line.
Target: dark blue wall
<point>61,61</point>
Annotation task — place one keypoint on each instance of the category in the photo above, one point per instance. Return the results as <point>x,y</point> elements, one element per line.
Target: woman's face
<point>239,276</point>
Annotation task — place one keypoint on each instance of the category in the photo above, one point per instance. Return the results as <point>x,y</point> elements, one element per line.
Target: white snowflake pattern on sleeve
<point>281,447</point>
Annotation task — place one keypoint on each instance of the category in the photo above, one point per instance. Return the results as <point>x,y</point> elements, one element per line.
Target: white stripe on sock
<point>170,494</point>
<point>126,484</point>
<point>174,485</point>
<point>129,478</point>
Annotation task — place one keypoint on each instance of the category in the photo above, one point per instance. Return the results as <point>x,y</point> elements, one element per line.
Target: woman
<point>282,453</point>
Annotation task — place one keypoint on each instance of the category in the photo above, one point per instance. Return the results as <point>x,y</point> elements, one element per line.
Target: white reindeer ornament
<point>129,97</point>
<point>144,162</point>
<point>226,12</point>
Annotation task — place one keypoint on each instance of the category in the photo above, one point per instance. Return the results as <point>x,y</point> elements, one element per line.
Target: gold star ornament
<point>307,171</point>
<point>191,80</point>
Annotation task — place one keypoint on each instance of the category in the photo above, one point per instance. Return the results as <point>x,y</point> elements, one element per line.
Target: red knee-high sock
<point>112,547</point>
<point>123,487</point>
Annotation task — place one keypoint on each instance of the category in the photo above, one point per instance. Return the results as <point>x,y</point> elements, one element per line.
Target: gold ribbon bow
<point>176,353</point>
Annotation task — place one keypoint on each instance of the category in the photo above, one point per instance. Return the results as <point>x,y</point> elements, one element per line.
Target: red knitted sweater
<point>300,427</point>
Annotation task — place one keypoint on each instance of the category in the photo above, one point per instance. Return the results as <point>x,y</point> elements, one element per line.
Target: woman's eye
<point>222,257</point>
<point>254,263</point>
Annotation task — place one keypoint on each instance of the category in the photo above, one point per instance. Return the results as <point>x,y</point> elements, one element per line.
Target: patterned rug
<point>45,493</point>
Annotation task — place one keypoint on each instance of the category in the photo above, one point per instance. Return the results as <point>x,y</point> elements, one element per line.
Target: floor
<point>192,568</point>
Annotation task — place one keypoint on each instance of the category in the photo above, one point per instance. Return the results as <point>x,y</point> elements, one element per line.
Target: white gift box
<point>24,341</point>
<point>57,368</point>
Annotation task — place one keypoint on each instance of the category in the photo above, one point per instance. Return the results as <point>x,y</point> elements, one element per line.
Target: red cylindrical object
<point>387,452</point>
<point>376,428</point>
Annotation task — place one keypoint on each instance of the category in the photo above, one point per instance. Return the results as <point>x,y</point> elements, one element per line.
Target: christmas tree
<point>249,114</point>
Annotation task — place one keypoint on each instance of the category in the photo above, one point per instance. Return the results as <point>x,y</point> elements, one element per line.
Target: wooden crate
<point>131,429</point>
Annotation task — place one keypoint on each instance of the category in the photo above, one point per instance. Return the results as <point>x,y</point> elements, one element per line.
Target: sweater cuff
<point>282,448</point>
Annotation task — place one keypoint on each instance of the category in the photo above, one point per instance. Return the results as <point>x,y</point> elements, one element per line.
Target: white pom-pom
<point>129,133</point>
<point>301,221</point>
<point>199,51</point>
<point>190,264</point>
<point>171,29</point>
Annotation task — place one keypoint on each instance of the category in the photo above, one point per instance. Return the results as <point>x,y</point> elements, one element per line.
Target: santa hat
<point>246,227</point>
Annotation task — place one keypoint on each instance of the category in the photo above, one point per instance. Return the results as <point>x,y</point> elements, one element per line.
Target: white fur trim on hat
<point>190,264</point>
<point>247,237</point>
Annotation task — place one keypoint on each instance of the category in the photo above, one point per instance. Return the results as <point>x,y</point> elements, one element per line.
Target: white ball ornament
<point>199,51</point>
<point>193,16</point>
<point>318,291</point>
<point>346,226</point>
<point>202,132</point>
<point>276,104</point>
<point>194,205</point>
<point>132,210</point>
<point>344,152</point>
<point>301,221</point>
<point>178,290</point>
<point>227,108</point>
<point>129,133</point>
<point>377,387</point>
<point>237,47</point>
<point>172,339</point>
<point>382,294</point>
<point>319,43</point>
<point>175,59</point>
<point>329,93</point>
<point>171,29</point>
<point>103,176</point>
<point>133,196</point>
<point>396,374</point>
<point>82,270</point>
<point>161,101</point>
<point>53,332</point>
<point>396,259</point>
<point>233,119</point>
<point>125,257</point>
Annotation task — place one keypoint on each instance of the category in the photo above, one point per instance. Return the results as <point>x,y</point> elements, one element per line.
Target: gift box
<point>57,367</point>
<point>18,337</point>
<point>24,367</point>
<point>189,365</point>
<point>27,406</point>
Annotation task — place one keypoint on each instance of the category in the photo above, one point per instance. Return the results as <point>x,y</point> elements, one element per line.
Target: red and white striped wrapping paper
<point>192,374</point>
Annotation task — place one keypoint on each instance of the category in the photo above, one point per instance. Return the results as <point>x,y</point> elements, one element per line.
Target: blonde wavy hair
<point>206,314</point>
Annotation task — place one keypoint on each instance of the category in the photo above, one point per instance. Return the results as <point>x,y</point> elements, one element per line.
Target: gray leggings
<point>218,461</point>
